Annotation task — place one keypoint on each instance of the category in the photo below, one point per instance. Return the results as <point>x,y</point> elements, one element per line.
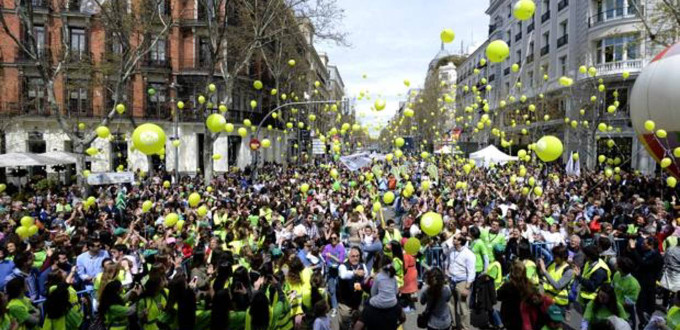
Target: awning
<point>62,157</point>
<point>23,159</point>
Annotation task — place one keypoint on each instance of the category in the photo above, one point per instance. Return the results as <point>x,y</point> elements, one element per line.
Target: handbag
<point>424,317</point>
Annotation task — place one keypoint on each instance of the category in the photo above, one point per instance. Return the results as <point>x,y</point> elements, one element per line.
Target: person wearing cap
<point>555,318</point>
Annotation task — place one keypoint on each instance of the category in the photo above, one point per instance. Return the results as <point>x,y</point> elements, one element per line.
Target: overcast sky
<point>393,40</point>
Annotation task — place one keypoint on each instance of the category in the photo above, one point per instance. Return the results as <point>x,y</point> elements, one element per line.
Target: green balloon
<point>336,185</point>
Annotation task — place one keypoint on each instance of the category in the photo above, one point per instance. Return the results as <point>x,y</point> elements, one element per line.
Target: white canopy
<point>490,155</point>
<point>62,157</point>
<point>446,150</point>
<point>16,159</point>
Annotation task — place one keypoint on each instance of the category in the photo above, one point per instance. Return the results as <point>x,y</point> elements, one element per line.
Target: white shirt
<point>461,265</point>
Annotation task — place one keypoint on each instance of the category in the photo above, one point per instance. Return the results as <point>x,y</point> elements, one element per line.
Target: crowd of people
<point>265,254</point>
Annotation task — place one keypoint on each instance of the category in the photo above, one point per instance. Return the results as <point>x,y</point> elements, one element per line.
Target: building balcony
<point>563,40</point>
<point>562,4</point>
<point>156,63</point>
<point>617,68</point>
<point>545,50</point>
<point>531,27</point>
<point>530,58</point>
<point>192,22</point>
<point>614,15</point>
<point>492,28</point>
<point>518,36</point>
<point>506,71</point>
<point>545,17</point>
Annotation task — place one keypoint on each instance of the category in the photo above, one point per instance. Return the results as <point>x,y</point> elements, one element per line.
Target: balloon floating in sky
<point>524,9</point>
<point>497,51</point>
<point>653,105</point>
<point>148,138</point>
<point>549,148</point>
<point>380,104</point>
<point>257,85</point>
<point>447,36</point>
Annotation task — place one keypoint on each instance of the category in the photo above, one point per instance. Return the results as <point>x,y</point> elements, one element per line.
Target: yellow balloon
<point>304,188</point>
<point>447,36</point>
<point>148,138</point>
<point>103,132</point>
<point>431,223</point>
<point>412,246</point>
<point>497,51</point>
<point>524,10</point>
<point>171,219</point>
<point>549,148</point>
<point>215,122</point>
<point>242,131</point>
<point>388,198</point>
<point>650,125</point>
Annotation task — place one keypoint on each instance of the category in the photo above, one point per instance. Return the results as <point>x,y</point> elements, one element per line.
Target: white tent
<point>446,150</point>
<point>62,157</point>
<point>490,155</point>
<point>16,159</point>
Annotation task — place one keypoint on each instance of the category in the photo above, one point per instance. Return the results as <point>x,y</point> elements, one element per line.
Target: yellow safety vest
<point>532,273</point>
<point>588,272</point>
<point>498,277</point>
<point>560,297</point>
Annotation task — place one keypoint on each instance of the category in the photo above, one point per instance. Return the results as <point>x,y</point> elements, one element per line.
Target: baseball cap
<point>555,313</point>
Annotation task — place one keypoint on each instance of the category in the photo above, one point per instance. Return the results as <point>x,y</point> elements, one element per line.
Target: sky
<point>394,40</point>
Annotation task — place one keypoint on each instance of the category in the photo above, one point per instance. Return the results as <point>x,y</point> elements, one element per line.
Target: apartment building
<point>562,36</point>
<point>174,69</point>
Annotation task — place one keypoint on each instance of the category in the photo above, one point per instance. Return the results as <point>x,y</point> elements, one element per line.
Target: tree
<point>660,20</point>
<point>134,31</point>
<point>238,30</point>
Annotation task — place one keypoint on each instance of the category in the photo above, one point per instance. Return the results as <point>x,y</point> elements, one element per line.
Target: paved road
<point>574,319</point>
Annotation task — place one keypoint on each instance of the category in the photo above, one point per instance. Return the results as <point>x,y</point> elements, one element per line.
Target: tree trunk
<point>208,143</point>
<point>78,149</point>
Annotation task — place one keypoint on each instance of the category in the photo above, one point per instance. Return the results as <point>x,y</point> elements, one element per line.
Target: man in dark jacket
<point>649,265</point>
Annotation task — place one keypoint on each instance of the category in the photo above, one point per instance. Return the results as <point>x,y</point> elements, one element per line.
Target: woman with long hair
<point>435,296</point>
<point>110,272</point>
<point>180,309</point>
<point>297,281</point>
<point>62,307</point>
<point>397,261</point>
<point>152,303</point>
<point>258,316</point>
<point>603,306</point>
<point>384,288</point>
<point>511,293</point>
<point>113,310</point>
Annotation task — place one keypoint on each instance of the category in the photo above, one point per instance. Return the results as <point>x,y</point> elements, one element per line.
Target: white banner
<point>356,161</point>
<point>318,147</point>
<point>110,178</point>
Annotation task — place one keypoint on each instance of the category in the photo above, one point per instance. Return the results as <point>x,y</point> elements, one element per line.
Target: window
<point>78,45</point>
<point>546,38</point>
<point>204,52</point>
<point>157,53</point>
<point>39,35</point>
<point>545,69</point>
<point>563,65</point>
<point>530,78</point>
<point>508,35</point>
<point>508,8</point>
<point>564,34</point>
<point>615,49</point>
<point>563,28</point>
<point>518,55</point>
<point>78,98</point>
<point>156,103</point>
<point>546,6</point>
<point>34,95</point>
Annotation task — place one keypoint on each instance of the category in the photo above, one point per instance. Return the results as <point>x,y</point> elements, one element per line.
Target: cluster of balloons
<point>28,227</point>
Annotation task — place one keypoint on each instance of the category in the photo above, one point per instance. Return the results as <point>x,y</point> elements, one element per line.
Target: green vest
<point>532,274</point>
<point>560,297</point>
<point>673,318</point>
<point>496,272</point>
<point>588,271</point>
